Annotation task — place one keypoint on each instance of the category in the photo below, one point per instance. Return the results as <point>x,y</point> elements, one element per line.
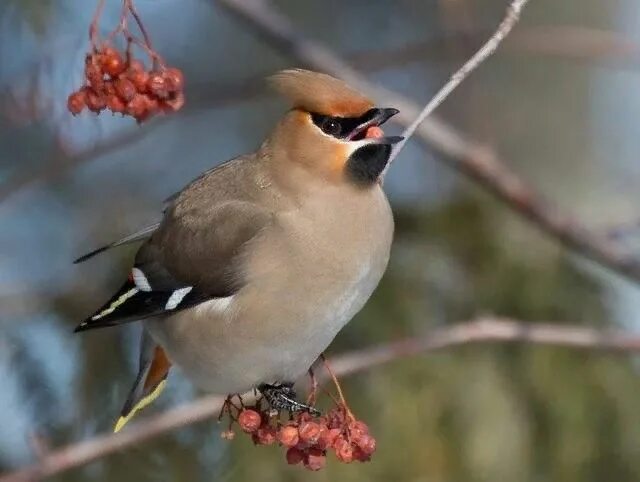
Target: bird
<point>257,264</point>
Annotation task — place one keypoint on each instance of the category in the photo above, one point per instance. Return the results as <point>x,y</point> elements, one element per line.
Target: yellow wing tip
<point>144,402</point>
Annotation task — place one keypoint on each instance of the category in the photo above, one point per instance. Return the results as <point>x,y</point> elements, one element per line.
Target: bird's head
<point>333,130</point>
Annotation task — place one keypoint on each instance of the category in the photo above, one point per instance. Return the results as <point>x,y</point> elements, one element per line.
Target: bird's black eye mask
<point>346,128</point>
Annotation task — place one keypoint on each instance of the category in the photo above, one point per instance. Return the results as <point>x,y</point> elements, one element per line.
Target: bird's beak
<point>370,130</point>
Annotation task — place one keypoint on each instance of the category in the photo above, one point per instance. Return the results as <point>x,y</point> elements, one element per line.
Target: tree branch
<point>488,48</point>
<point>483,330</point>
<point>477,161</point>
<point>570,42</point>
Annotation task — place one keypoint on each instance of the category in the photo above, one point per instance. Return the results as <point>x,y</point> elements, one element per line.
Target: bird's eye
<point>331,127</point>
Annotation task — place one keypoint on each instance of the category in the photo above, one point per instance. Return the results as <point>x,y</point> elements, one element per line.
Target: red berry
<point>112,62</point>
<point>137,107</point>
<point>359,426</point>
<point>125,89</point>
<point>174,104</point>
<point>367,444</point>
<point>288,436</point>
<point>116,104</point>
<point>95,102</point>
<point>174,80</point>
<point>152,103</point>
<point>109,87</point>
<point>309,432</point>
<point>76,102</point>
<point>135,66</point>
<point>343,450</point>
<point>249,420</point>
<point>294,456</point>
<point>157,85</point>
<point>140,79</point>
<point>266,435</point>
<point>94,75</point>
<point>330,436</point>
<point>315,460</point>
<point>360,455</point>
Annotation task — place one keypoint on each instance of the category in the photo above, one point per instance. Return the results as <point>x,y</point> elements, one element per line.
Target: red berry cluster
<point>122,85</point>
<point>308,439</point>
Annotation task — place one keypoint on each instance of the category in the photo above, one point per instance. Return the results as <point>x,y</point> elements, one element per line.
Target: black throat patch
<point>366,164</point>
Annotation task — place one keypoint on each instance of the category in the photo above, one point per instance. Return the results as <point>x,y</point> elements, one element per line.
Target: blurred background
<point>559,102</point>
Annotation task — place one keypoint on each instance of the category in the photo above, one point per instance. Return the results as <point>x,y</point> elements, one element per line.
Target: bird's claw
<point>283,397</point>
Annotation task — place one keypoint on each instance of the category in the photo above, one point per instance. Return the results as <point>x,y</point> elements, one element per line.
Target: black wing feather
<point>132,238</point>
<point>131,304</point>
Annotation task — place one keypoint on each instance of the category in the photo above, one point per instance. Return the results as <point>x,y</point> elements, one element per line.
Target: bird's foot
<point>282,397</point>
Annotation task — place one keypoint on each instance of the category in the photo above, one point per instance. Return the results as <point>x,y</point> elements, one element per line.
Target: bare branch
<point>511,18</point>
<point>483,330</point>
<point>477,161</point>
<point>570,42</point>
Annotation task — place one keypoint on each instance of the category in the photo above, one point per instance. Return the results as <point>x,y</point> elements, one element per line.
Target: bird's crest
<point>319,93</point>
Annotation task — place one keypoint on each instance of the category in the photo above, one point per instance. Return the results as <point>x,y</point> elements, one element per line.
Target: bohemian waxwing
<point>258,263</point>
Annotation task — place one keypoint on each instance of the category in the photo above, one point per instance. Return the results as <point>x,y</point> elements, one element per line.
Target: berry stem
<point>311,399</point>
<point>93,27</point>
<point>134,13</point>
<point>347,410</point>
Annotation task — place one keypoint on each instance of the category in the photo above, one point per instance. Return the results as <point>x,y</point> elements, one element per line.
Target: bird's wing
<point>139,235</point>
<point>195,255</point>
<point>147,231</point>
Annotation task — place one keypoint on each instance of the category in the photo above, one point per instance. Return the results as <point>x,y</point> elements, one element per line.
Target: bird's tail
<point>151,379</point>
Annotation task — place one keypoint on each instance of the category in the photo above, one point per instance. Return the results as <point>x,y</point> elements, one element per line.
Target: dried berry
<point>329,437</point>
<point>116,105</point>
<point>315,459</point>
<point>76,102</point>
<point>265,435</point>
<point>157,85</point>
<point>137,107</point>
<point>173,105</point>
<point>294,456</point>
<point>94,75</point>
<point>174,80</point>
<point>359,427</point>
<point>109,87</point>
<point>249,420</point>
<point>288,436</point>
<point>367,444</point>
<point>360,455</point>
<point>95,102</point>
<point>112,62</point>
<point>139,78</point>
<point>343,450</point>
<point>227,434</point>
<point>151,103</point>
<point>309,432</point>
<point>135,66</point>
<point>125,89</point>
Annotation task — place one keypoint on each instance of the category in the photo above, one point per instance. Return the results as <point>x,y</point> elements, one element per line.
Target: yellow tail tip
<point>145,401</point>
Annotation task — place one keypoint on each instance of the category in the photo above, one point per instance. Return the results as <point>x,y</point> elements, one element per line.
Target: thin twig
<point>136,17</point>
<point>482,331</point>
<point>93,27</point>
<point>478,162</point>
<point>560,41</point>
<point>511,18</point>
